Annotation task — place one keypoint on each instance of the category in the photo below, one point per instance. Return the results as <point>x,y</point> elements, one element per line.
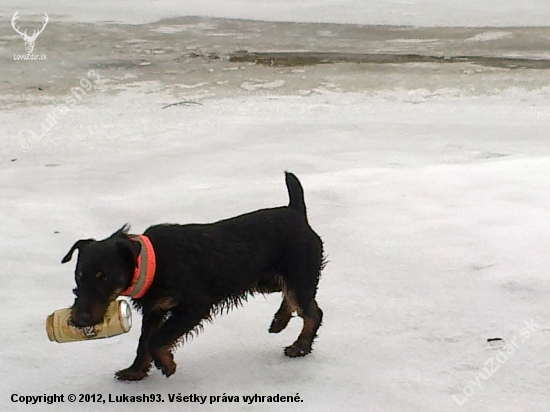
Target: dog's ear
<point>122,232</point>
<point>78,245</point>
<point>129,250</point>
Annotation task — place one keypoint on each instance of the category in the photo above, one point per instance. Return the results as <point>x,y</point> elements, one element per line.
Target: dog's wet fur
<point>202,270</point>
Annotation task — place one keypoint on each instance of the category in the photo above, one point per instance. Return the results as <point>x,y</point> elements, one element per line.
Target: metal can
<point>117,320</point>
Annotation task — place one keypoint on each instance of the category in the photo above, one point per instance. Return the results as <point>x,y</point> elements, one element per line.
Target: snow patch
<point>490,36</point>
<point>267,85</point>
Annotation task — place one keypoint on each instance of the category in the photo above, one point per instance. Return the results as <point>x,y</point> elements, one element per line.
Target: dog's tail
<point>296,194</point>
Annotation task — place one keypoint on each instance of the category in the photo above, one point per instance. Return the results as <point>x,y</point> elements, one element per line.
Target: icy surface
<point>433,213</point>
<point>486,13</point>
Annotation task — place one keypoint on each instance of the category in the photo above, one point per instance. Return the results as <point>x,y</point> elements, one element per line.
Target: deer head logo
<point>29,40</point>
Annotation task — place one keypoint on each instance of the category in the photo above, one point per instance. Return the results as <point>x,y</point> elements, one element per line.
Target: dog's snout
<point>81,319</point>
<point>84,315</point>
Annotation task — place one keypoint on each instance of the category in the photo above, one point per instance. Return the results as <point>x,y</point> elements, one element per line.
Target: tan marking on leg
<point>281,318</point>
<point>291,300</point>
<point>302,346</point>
<point>287,308</point>
<point>164,360</point>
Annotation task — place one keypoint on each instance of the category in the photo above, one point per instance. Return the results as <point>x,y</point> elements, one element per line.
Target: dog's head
<point>104,269</point>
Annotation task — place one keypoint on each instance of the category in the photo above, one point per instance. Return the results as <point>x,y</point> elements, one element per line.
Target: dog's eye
<point>101,276</point>
<point>78,275</point>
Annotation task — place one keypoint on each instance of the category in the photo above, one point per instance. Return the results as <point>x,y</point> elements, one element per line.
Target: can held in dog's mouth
<point>117,320</point>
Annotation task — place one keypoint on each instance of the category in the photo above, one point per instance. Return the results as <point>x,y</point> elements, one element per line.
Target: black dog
<point>202,269</point>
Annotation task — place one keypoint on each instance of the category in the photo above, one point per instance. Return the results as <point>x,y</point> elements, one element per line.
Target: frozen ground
<point>486,13</point>
<point>432,207</point>
<point>429,183</point>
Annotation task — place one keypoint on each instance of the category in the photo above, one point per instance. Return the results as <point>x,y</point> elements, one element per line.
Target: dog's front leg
<point>140,368</point>
<point>181,322</point>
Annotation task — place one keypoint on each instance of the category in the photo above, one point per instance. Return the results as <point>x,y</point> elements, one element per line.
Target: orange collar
<point>145,270</point>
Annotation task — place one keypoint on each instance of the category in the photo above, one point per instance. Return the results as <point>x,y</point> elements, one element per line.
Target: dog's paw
<point>296,350</point>
<point>168,368</point>
<point>164,361</point>
<point>278,325</point>
<point>130,374</point>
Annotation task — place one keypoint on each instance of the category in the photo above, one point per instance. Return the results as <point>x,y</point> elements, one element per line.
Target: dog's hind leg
<point>299,290</point>
<point>182,321</point>
<point>140,368</point>
<point>283,316</point>
<point>312,316</point>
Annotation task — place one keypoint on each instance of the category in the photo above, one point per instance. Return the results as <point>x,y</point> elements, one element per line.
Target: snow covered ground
<point>429,183</point>
<point>433,212</point>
